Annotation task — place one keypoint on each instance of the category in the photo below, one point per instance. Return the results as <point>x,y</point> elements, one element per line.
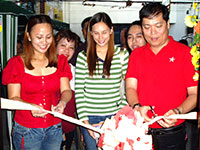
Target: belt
<point>162,131</point>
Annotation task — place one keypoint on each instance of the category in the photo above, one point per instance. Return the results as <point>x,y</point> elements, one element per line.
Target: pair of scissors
<point>155,115</point>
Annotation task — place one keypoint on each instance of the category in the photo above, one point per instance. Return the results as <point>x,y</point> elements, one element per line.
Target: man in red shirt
<point>160,76</point>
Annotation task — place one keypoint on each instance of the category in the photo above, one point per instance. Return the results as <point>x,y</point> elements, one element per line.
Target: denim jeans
<point>90,142</point>
<point>37,138</point>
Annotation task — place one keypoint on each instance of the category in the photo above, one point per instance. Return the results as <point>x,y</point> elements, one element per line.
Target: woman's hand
<point>59,107</point>
<point>90,131</point>
<point>92,134</point>
<point>38,113</point>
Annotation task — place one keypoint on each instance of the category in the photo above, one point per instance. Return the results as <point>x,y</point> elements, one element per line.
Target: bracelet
<point>178,110</point>
<point>137,104</point>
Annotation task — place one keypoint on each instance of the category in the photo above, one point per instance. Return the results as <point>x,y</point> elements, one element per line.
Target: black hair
<point>136,22</point>
<point>69,35</point>
<point>84,21</point>
<point>184,41</point>
<point>152,9</point>
<point>20,42</point>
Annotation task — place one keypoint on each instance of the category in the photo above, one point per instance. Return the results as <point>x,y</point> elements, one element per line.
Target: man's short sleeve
<point>132,71</point>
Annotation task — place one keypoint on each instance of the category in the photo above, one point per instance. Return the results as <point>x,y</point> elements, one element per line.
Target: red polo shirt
<point>163,78</point>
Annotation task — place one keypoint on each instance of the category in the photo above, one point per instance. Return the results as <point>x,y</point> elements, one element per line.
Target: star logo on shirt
<point>172,59</point>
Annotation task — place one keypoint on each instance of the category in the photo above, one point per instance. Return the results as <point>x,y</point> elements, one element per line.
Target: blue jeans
<point>90,142</point>
<point>37,138</point>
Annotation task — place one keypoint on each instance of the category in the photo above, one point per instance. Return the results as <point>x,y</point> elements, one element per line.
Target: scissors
<point>155,115</point>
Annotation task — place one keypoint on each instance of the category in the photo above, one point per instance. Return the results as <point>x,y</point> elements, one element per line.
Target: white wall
<point>178,29</point>
<point>75,12</point>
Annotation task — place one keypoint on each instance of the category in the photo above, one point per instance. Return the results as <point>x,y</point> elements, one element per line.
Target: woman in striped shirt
<point>98,76</point>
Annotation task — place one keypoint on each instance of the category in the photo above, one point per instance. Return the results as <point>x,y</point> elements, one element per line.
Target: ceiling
<point>182,1</point>
<point>117,1</point>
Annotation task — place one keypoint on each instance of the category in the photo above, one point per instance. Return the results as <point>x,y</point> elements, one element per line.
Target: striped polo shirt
<point>99,95</point>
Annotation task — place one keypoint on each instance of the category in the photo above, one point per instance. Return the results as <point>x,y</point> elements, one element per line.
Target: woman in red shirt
<point>66,44</point>
<point>37,76</point>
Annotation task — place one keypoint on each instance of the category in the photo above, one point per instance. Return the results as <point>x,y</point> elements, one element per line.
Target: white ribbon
<point>17,105</point>
<point>190,116</point>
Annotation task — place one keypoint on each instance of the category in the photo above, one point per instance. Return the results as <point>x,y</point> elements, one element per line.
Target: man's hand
<point>167,123</point>
<point>143,111</point>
